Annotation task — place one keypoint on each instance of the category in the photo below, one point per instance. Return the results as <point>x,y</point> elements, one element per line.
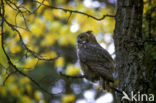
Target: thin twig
<point>32,52</point>
<point>69,16</point>
<point>37,7</point>
<point>8,77</point>
<point>16,17</point>
<point>24,19</point>
<point>17,8</point>
<point>75,11</point>
<point>8,58</point>
<point>58,8</point>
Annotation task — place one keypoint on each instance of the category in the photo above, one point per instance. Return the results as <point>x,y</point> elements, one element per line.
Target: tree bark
<point>130,65</point>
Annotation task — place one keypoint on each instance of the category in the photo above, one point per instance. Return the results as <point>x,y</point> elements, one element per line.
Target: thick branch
<point>83,76</point>
<point>76,76</point>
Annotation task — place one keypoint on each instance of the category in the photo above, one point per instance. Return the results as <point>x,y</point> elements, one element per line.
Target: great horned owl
<point>95,61</point>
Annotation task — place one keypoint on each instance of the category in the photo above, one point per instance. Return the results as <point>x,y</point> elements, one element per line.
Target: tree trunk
<point>130,65</point>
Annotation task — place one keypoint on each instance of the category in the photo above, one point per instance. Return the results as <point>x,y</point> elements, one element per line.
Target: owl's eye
<point>82,37</point>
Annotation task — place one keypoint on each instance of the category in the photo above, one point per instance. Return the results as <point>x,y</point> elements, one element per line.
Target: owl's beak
<point>83,42</point>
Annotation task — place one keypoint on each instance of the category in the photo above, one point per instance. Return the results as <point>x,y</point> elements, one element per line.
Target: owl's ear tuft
<point>89,31</point>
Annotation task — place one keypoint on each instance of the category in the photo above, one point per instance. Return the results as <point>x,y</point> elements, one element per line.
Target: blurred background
<point>50,32</point>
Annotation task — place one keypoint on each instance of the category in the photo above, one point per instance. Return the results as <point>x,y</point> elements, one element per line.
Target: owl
<point>95,61</point>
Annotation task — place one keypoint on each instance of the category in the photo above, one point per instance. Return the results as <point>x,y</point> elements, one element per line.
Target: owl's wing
<point>97,59</point>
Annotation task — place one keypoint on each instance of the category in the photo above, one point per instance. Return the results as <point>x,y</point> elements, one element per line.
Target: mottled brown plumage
<point>95,61</point>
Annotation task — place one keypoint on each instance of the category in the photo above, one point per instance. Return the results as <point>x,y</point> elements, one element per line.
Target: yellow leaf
<point>38,28</point>
<point>3,58</point>
<point>72,70</point>
<point>26,35</point>
<point>38,95</point>
<point>24,80</point>
<point>49,40</point>
<point>28,88</point>
<point>26,99</point>
<point>49,55</point>
<point>11,80</point>
<point>30,63</point>
<point>15,49</point>
<point>59,62</point>
<point>68,98</point>
<point>3,91</point>
<point>46,2</point>
<point>47,14</point>
<point>14,89</point>
<point>10,14</point>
